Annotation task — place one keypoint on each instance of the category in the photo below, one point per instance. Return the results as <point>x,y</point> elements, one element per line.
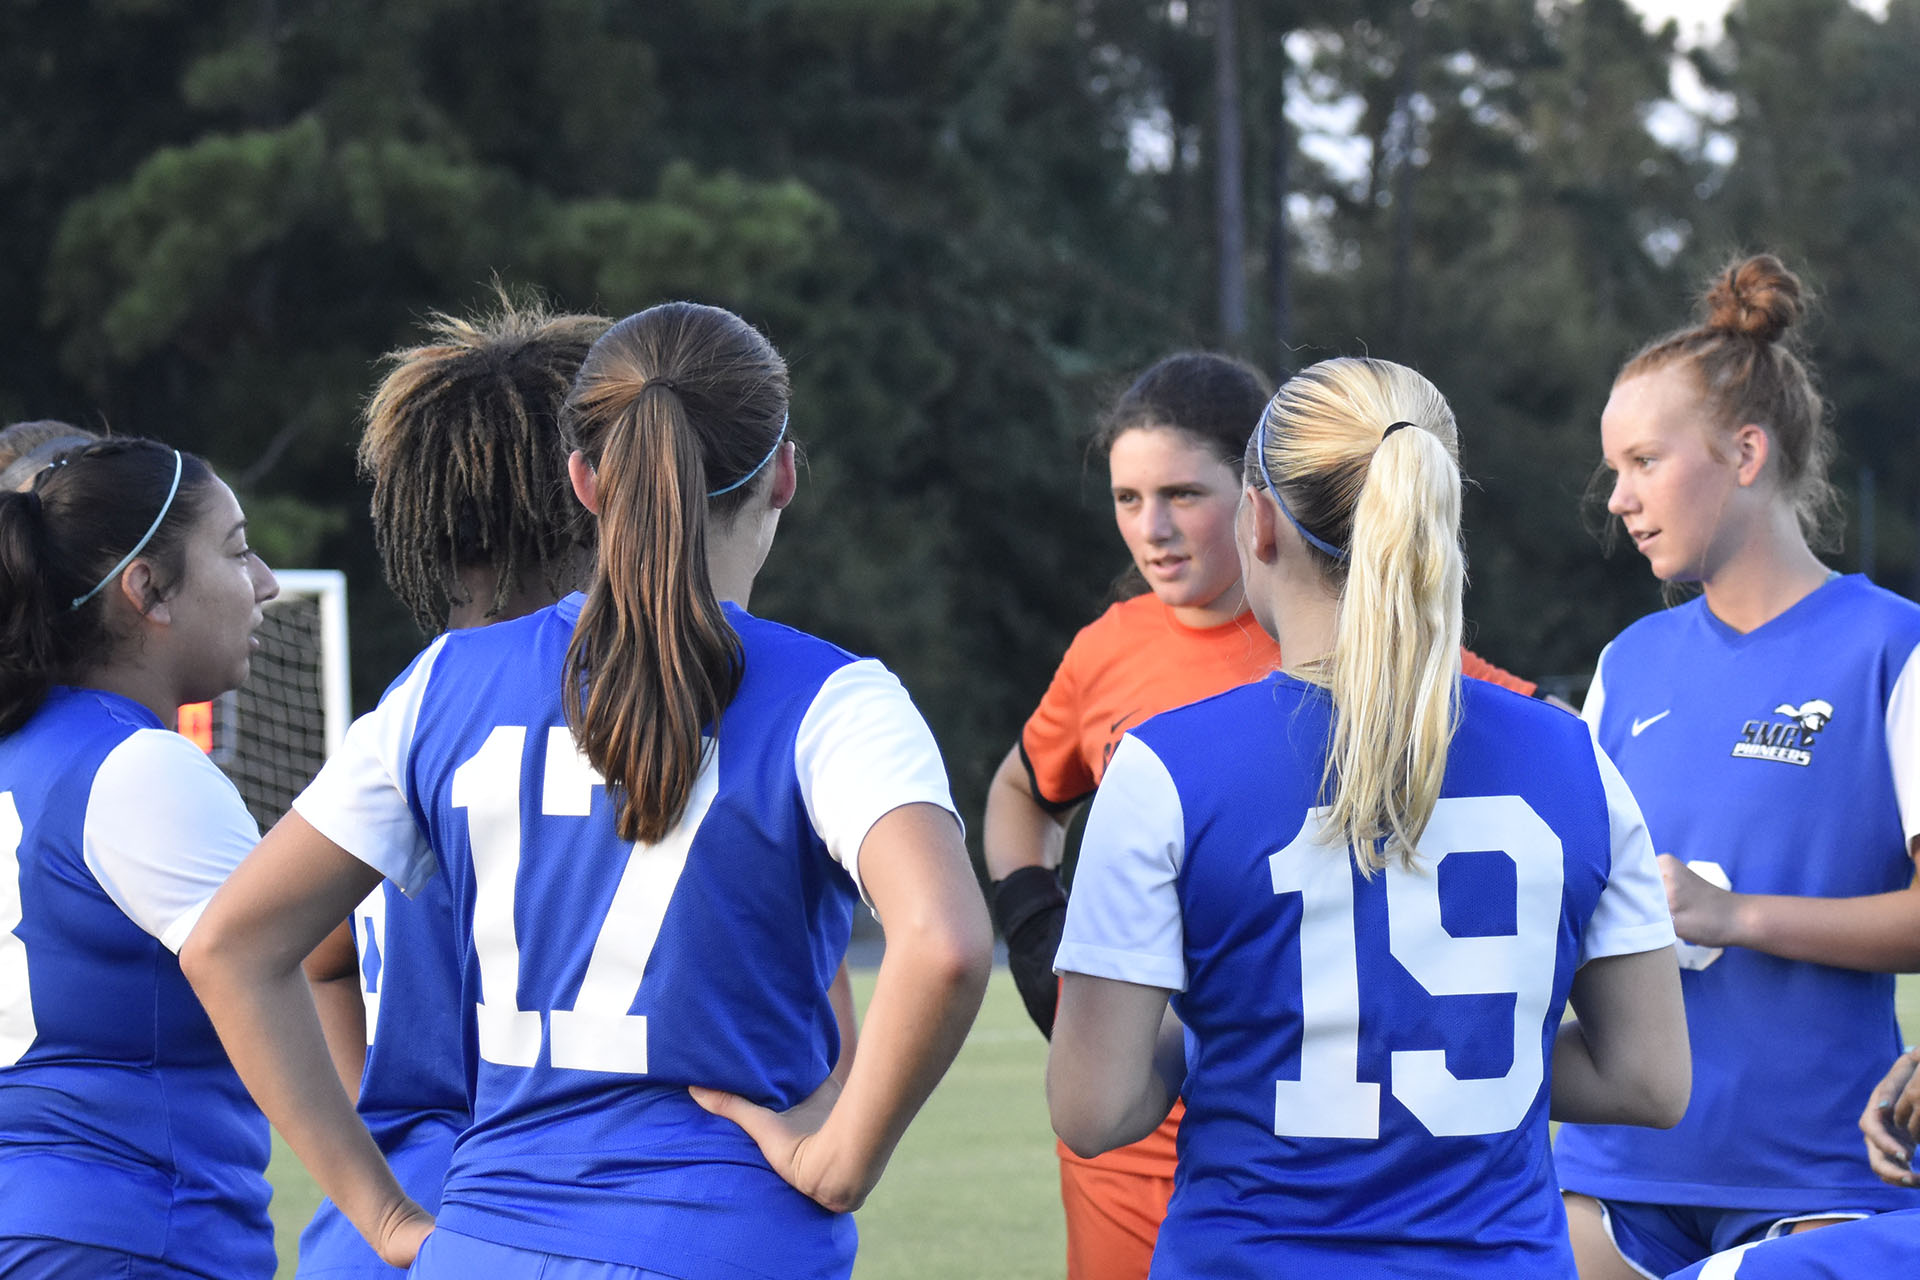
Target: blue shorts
<point>1887,1244</point>
<point>32,1258</point>
<point>453,1256</point>
<point>1659,1239</point>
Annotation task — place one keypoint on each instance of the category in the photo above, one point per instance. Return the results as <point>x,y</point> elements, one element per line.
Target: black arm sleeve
<point>1030,907</point>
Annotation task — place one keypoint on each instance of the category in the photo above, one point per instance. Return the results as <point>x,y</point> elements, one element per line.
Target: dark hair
<point>62,537</point>
<point>1746,363</point>
<point>672,406</point>
<point>1213,398</point>
<point>26,447</point>
<point>463,445</point>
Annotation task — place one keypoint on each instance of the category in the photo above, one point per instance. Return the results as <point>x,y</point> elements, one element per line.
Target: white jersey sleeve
<point>1903,744</point>
<point>1631,915</point>
<point>164,828</point>
<point>863,750</point>
<point>1596,695</point>
<point>1123,919</point>
<point>359,800</point>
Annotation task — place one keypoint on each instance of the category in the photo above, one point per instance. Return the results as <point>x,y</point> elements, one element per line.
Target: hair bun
<point>1755,297</point>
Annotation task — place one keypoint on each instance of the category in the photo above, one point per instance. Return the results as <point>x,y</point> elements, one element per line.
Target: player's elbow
<point>1080,1122</point>
<point>1665,1099</point>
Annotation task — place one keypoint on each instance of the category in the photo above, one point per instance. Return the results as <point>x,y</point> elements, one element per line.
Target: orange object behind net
<point>195,722</point>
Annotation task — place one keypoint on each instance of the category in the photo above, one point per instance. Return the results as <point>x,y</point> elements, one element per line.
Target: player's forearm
<point>333,974</point>
<point>1017,830</point>
<point>268,1022</point>
<point>840,996</point>
<point>925,997</point>
<point>1879,933</point>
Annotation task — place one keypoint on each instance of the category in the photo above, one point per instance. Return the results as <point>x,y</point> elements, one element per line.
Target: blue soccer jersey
<point>414,1091</point>
<point>1368,1056</point>
<point>1886,1244</point>
<point>602,977</point>
<point>1788,758</point>
<point>122,1124</point>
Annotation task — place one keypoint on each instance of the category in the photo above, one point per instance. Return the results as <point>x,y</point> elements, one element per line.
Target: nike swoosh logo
<point>1641,726</point>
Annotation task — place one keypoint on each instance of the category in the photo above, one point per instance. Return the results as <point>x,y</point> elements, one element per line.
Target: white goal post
<point>273,733</point>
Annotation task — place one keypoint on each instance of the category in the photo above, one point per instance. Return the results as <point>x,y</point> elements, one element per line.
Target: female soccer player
<point>1369,888</point>
<point>1771,730</point>
<point>475,524</point>
<point>126,589</point>
<point>1173,444</point>
<point>655,813</point>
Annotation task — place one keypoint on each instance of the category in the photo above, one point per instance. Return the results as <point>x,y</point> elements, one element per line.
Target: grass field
<point>973,1190</point>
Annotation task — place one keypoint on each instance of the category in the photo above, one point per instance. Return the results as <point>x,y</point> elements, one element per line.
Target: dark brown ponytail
<point>672,405</point>
<point>62,537</point>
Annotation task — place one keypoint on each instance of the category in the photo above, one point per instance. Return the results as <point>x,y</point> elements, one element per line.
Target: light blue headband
<point>778,440</point>
<point>139,546</point>
<point>1260,456</point>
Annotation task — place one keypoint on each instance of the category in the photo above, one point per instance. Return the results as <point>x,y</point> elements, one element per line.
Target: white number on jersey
<point>1329,1100</point>
<point>597,1033</point>
<point>16,993</point>
<point>370,949</point>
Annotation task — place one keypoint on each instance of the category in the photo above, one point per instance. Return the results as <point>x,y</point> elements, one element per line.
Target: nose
<point>1156,520</point>
<point>1621,500</point>
<point>265,585</point>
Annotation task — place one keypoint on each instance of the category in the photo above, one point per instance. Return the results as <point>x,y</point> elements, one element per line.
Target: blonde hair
<point>1362,456</point>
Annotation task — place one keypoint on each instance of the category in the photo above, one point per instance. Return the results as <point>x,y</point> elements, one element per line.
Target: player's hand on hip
<point>1891,1122</point>
<point>787,1140</point>
<point>1703,912</point>
<point>402,1233</point>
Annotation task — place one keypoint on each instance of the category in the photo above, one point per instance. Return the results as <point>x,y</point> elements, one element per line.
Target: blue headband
<point>778,439</point>
<point>1260,456</point>
<point>139,546</point>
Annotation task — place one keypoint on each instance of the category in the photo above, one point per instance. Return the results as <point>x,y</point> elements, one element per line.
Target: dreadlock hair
<point>463,445</point>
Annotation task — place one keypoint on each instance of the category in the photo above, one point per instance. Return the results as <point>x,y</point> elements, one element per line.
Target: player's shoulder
<point>1882,611</point>
<point>1117,629</point>
<point>1243,708</point>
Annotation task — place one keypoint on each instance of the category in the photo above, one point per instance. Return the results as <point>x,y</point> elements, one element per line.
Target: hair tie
<point>1393,428</point>
<point>41,458</point>
<point>1260,456</point>
<point>665,384</point>
<point>139,546</point>
<point>779,436</point>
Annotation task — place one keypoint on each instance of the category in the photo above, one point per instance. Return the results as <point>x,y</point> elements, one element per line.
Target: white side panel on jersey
<point>1329,1100</point>
<point>1521,962</point>
<point>1903,744</point>
<point>488,788</point>
<point>598,1033</point>
<point>16,992</point>
<point>1596,700</point>
<point>370,932</point>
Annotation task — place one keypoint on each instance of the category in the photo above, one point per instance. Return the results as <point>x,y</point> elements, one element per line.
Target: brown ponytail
<point>671,405</point>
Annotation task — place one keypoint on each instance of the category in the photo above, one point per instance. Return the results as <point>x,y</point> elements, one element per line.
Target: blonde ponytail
<point>1362,452</point>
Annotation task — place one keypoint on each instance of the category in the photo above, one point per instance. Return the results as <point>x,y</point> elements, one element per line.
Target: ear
<point>586,485</point>
<point>786,477</point>
<point>1751,445</point>
<point>136,588</point>
<point>1261,539</point>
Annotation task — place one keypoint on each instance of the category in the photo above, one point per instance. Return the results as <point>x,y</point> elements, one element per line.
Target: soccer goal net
<point>273,733</point>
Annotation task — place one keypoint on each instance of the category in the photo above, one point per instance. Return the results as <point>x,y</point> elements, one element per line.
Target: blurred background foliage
<point>966,223</point>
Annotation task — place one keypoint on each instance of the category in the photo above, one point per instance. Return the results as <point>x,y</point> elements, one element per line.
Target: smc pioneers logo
<point>1789,741</point>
